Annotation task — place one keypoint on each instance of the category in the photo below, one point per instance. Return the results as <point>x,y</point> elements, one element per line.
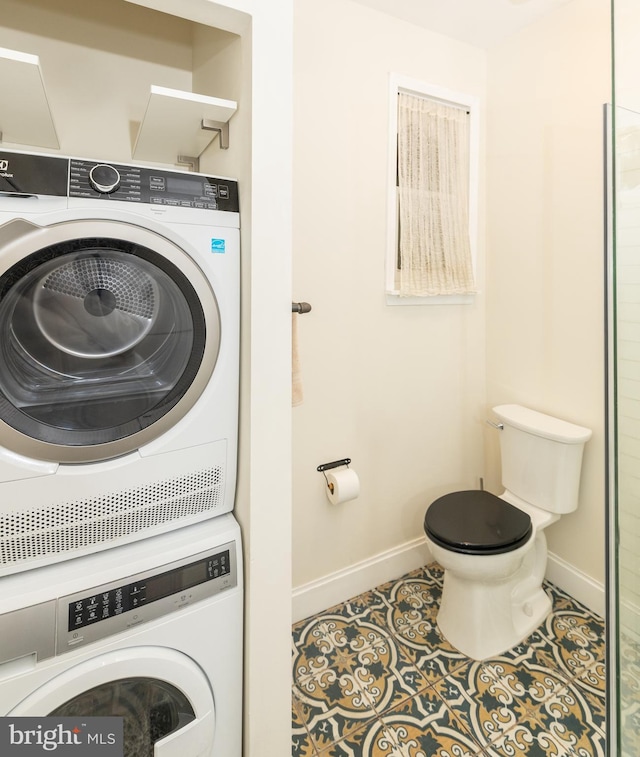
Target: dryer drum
<point>99,338</point>
<point>96,306</point>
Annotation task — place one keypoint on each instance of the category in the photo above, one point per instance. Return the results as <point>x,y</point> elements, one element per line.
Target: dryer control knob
<point>104,179</point>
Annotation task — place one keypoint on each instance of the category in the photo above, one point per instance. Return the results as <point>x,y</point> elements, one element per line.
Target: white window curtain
<point>433,198</point>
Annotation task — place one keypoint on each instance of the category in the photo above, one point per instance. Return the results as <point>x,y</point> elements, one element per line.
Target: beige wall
<point>545,277</point>
<point>627,54</point>
<point>399,390</point>
<point>402,390</point>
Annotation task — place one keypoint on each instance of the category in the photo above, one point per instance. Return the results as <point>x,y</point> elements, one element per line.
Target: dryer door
<point>163,697</point>
<point>109,332</point>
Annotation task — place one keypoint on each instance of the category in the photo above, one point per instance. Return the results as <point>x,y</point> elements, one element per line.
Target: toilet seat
<point>476,522</point>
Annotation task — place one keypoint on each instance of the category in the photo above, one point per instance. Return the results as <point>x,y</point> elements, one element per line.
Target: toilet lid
<point>476,522</point>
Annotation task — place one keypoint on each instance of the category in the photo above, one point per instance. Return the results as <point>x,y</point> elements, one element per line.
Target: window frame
<point>399,83</point>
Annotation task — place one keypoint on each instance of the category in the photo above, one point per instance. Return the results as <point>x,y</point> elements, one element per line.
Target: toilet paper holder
<point>328,466</point>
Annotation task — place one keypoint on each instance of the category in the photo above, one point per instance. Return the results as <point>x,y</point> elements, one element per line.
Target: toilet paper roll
<point>343,484</point>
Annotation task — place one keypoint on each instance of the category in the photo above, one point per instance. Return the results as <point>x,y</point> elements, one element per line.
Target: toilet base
<point>502,616</point>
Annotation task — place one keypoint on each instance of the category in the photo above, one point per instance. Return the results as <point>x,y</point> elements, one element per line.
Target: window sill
<point>393,298</point>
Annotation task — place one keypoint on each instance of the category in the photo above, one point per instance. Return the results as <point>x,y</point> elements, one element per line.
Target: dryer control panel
<point>153,186</point>
<point>27,174</point>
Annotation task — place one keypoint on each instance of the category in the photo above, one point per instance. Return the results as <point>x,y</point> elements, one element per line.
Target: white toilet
<point>493,549</point>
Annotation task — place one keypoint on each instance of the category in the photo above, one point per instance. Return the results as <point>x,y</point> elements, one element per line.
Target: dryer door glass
<point>151,709</point>
<point>99,339</point>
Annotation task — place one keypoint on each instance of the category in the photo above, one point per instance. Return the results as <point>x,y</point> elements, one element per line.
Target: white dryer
<point>151,632</point>
<point>119,344</point>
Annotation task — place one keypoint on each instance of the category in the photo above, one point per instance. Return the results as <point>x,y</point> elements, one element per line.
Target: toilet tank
<point>541,457</point>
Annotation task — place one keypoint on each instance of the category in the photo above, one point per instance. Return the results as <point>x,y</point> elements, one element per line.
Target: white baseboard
<point>340,586</point>
<point>576,584</point>
<point>315,596</point>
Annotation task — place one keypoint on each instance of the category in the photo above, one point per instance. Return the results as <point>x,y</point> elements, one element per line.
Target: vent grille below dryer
<point>71,526</point>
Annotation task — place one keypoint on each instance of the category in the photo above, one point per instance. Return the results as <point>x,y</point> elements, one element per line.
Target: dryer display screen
<point>105,604</point>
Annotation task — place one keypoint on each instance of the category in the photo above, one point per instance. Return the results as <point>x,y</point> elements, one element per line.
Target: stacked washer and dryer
<point>121,585</point>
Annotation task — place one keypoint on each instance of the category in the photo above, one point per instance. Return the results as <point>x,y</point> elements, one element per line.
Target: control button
<point>223,192</point>
<point>104,179</point>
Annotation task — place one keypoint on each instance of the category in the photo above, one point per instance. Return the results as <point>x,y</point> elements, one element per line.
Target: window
<point>433,195</point>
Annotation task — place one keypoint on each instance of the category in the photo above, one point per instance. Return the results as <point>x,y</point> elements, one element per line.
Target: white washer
<point>151,630</point>
<point>119,345</point>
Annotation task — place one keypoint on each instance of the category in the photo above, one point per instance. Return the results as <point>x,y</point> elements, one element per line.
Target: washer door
<point>109,333</point>
<point>168,716</point>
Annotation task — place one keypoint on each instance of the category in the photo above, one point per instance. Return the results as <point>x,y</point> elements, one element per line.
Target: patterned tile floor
<point>374,677</point>
<point>629,696</point>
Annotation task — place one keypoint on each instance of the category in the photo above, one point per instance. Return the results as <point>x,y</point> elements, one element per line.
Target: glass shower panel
<point>626,419</point>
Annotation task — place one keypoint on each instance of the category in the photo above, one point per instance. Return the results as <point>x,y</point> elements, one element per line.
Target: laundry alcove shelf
<point>26,117</point>
<point>180,125</point>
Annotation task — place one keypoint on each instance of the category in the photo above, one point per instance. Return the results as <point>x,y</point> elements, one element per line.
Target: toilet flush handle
<point>499,426</point>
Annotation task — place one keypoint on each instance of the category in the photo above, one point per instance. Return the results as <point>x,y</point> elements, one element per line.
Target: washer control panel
<point>108,609</point>
<point>25,174</point>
